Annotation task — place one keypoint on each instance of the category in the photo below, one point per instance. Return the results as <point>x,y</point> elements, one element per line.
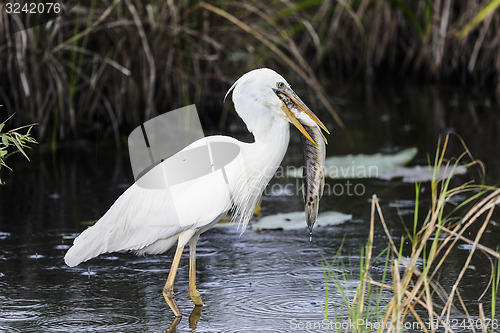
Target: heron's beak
<point>293,106</point>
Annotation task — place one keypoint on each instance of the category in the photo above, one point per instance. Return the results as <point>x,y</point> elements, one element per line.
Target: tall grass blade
<point>487,10</point>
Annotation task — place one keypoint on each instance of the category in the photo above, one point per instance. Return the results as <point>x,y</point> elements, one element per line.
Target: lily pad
<point>296,220</point>
<point>382,166</point>
<point>420,173</point>
<point>362,165</point>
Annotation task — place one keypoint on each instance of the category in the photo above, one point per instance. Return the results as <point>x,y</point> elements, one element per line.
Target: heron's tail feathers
<point>87,245</point>
<point>102,236</point>
<point>130,224</point>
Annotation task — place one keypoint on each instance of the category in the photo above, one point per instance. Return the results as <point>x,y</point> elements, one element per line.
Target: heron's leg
<point>192,290</point>
<point>168,290</point>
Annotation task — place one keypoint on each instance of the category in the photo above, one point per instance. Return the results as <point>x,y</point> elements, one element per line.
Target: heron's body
<point>146,221</point>
<point>141,219</point>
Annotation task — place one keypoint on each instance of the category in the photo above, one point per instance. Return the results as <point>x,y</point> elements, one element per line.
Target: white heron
<point>139,220</point>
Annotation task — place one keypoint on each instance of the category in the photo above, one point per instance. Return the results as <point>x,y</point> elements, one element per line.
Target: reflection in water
<point>262,281</point>
<point>173,327</point>
<point>194,317</point>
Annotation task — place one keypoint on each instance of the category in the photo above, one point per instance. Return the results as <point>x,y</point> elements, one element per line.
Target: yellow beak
<point>295,103</point>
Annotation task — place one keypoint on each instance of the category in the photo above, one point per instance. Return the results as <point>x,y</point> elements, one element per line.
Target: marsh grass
<point>495,287</point>
<point>108,65</point>
<point>360,305</point>
<point>413,294</point>
<point>14,141</point>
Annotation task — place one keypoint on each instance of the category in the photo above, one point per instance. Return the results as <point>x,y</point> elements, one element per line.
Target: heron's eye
<point>280,85</point>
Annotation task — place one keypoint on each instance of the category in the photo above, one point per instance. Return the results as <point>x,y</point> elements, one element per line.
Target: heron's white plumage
<point>147,220</point>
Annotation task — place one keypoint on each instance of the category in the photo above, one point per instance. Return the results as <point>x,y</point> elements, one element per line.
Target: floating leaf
<point>361,166</point>
<point>382,166</point>
<point>420,173</point>
<point>297,220</point>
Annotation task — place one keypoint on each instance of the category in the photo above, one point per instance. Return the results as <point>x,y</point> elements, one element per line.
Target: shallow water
<point>268,281</point>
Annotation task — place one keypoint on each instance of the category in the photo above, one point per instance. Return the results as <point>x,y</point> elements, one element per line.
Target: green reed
<point>413,294</point>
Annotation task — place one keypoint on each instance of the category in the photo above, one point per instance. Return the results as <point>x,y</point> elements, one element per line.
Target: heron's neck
<point>261,159</point>
<point>270,146</point>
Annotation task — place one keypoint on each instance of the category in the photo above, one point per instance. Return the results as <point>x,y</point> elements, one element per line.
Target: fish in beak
<point>298,113</point>
<point>314,150</point>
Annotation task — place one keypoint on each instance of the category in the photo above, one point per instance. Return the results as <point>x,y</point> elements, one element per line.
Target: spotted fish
<point>313,176</point>
<point>314,153</point>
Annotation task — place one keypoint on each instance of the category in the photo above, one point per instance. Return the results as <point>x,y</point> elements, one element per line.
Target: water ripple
<point>4,235</point>
<point>153,264</point>
<point>6,329</point>
<point>251,329</point>
<point>79,321</point>
<point>20,311</point>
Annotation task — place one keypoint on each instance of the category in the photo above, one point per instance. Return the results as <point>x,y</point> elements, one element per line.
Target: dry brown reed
<point>108,65</point>
<point>416,291</point>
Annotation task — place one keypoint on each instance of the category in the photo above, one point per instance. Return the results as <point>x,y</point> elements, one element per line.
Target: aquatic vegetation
<point>412,295</point>
<point>495,283</point>
<point>295,220</point>
<point>14,138</point>
<point>362,165</point>
<point>382,166</point>
<point>106,66</point>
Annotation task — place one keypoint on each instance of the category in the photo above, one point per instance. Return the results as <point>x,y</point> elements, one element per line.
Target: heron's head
<point>264,87</point>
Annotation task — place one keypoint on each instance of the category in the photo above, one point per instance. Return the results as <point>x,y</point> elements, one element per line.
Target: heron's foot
<point>168,294</point>
<point>195,296</point>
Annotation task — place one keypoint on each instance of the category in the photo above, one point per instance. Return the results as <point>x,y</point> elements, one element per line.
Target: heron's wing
<point>141,216</point>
